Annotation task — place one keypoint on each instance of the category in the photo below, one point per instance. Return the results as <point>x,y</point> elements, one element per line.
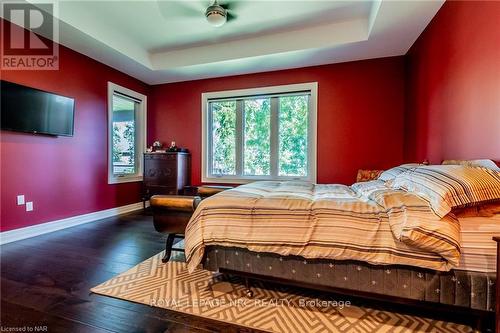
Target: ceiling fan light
<point>216,15</point>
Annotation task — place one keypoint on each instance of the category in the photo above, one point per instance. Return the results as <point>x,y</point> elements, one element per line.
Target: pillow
<point>450,186</point>
<point>393,172</point>
<point>366,175</point>
<point>489,164</point>
<point>365,190</point>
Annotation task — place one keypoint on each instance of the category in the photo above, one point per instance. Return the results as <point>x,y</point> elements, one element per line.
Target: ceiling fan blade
<point>170,9</point>
<point>231,16</point>
<point>230,5</point>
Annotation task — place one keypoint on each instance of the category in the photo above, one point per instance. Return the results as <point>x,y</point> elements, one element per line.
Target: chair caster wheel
<point>249,293</point>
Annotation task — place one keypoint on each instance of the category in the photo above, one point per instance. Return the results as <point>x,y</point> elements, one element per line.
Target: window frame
<point>311,87</point>
<point>141,126</point>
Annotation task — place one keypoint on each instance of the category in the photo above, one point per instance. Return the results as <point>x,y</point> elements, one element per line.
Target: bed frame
<point>459,293</point>
<point>462,294</point>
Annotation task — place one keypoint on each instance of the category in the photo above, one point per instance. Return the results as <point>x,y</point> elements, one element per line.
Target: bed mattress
<point>478,248</point>
<point>365,222</point>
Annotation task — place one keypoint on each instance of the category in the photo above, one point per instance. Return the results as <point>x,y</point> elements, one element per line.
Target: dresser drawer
<point>165,173</point>
<point>159,156</point>
<point>160,174</point>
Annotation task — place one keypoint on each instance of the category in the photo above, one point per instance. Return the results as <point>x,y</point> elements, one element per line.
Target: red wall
<point>453,85</point>
<point>360,113</point>
<point>64,176</point>
<point>451,79</point>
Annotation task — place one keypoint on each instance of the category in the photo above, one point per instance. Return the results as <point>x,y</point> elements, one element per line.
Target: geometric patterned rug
<point>272,308</point>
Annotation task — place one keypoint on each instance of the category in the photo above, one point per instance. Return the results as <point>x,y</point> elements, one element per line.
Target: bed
<point>382,239</point>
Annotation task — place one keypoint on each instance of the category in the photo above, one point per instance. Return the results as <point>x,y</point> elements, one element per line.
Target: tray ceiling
<point>169,41</point>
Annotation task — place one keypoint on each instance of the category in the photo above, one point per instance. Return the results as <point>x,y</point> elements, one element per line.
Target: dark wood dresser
<point>166,173</point>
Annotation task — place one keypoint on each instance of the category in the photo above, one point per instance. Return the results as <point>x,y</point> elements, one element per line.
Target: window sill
<point>125,179</point>
<point>226,180</point>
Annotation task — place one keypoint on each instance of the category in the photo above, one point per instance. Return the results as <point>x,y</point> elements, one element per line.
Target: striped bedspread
<point>366,221</point>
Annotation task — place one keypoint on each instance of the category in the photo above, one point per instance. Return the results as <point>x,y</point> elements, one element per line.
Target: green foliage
<point>224,137</point>
<point>293,135</point>
<point>116,140</point>
<point>257,137</point>
<point>123,135</point>
<point>129,136</point>
<point>124,147</point>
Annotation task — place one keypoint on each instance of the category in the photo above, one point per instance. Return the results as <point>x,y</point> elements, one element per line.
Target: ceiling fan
<point>216,14</point>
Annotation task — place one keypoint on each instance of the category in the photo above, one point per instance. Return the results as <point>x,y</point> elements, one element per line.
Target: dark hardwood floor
<point>45,281</point>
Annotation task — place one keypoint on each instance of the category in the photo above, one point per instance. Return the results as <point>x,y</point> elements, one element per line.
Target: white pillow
<point>392,173</point>
<point>489,164</point>
<point>450,186</point>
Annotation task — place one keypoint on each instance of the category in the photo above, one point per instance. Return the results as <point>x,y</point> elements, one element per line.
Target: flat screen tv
<point>30,110</point>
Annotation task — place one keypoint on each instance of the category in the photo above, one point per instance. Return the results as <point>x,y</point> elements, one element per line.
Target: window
<point>126,134</point>
<point>260,134</point>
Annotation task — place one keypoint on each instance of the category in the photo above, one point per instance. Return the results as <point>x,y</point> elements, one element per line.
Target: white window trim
<point>312,130</point>
<point>141,135</point>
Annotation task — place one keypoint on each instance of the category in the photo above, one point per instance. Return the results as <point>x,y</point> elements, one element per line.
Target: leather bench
<point>206,191</point>
<point>171,213</point>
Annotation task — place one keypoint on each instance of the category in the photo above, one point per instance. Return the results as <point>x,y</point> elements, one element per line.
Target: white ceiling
<point>159,41</point>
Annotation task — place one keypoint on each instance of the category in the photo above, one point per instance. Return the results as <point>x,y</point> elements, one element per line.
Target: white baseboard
<point>44,228</point>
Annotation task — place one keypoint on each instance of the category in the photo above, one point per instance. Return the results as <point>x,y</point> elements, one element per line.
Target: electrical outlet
<point>20,199</point>
<point>29,206</point>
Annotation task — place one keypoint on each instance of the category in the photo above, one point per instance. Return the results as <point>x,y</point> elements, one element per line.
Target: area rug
<point>272,308</point>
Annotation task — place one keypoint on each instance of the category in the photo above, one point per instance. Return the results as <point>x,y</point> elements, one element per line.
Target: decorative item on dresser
<point>166,173</point>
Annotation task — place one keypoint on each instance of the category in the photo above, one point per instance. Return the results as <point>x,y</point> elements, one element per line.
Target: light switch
<point>29,206</point>
<point>20,200</point>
